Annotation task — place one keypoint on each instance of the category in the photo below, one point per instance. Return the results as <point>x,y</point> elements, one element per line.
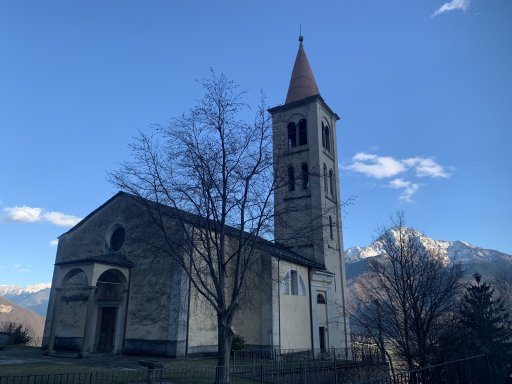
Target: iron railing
<point>359,353</point>
<point>317,372</point>
<point>472,370</point>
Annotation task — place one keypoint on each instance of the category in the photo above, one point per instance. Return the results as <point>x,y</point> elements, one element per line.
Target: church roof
<point>108,258</point>
<point>302,82</point>
<point>274,249</point>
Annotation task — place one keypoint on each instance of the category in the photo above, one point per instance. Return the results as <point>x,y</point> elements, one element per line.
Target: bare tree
<point>215,172</point>
<point>409,297</point>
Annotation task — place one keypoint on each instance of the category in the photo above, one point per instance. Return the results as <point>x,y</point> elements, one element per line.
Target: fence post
<point>335,372</point>
<point>489,374</point>
<point>261,373</point>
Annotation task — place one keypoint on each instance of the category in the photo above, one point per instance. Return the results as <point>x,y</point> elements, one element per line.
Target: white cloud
<point>54,243</point>
<point>426,167</point>
<point>381,167</point>
<point>61,219</point>
<point>26,214</point>
<point>375,166</point>
<point>362,156</point>
<point>23,214</point>
<point>19,268</point>
<point>408,189</point>
<point>453,5</point>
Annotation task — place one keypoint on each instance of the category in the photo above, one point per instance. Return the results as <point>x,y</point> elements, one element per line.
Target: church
<point>111,295</point>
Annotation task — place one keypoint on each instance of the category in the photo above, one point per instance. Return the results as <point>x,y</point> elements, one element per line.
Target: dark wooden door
<point>107,329</point>
<point>321,330</point>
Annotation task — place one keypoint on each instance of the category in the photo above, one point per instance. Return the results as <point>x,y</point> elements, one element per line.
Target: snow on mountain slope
<point>34,297</point>
<point>15,290</point>
<point>447,251</point>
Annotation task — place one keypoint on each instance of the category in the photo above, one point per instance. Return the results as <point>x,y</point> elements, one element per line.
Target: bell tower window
<point>292,135</point>
<point>297,133</point>
<point>323,135</point>
<point>331,182</point>
<point>325,178</point>
<point>303,132</point>
<point>326,137</point>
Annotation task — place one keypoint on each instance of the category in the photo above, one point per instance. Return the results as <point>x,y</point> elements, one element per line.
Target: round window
<point>117,239</point>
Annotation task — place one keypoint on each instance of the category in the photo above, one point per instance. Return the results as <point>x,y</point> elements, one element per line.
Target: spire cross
<point>301,38</point>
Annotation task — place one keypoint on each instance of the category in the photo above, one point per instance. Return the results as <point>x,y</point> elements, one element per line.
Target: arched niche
<point>293,284</point>
<point>110,285</point>
<point>110,274</point>
<point>75,276</point>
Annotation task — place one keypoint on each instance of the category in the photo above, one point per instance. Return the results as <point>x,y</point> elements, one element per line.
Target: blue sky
<point>423,88</point>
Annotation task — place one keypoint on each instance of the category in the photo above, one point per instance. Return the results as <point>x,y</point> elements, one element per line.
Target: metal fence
<point>360,353</point>
<point>472,370</point>
<point>468,371</point>
<point>319,372</point>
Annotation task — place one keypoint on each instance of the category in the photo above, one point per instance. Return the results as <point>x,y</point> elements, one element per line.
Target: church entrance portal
<point>107,329</point>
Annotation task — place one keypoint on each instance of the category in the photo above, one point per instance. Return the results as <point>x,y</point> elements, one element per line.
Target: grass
<point>45,369</point>
<point>37,364</point>
<point>201,373</point>
<point>200,369</point>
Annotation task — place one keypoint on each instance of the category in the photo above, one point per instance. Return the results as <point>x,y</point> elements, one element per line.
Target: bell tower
<point>307,197</point>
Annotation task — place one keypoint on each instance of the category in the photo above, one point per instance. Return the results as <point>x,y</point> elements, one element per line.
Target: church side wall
<point>254,319</point>
<point>202,335</point>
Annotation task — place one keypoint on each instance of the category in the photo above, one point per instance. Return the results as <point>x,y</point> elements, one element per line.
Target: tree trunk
<point>224,349</point>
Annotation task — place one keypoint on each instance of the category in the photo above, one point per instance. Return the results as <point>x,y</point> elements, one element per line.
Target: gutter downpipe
<point>311,314</point>
<point>126,309</point>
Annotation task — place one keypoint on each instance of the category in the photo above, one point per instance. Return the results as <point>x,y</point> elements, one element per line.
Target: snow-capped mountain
<point>447,251</point>
<point>34,297</point>
<point>15,290</point>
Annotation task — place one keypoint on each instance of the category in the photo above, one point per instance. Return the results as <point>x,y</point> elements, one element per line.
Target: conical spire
<point>302,83</point>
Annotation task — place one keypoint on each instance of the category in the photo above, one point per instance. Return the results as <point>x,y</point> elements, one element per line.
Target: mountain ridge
<point>17,290</point>
<point>34,297</point>
<point>447,251</point>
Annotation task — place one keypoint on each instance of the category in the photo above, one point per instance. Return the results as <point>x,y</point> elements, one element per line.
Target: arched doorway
<point>110,311</point>
<point>88,304</point>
